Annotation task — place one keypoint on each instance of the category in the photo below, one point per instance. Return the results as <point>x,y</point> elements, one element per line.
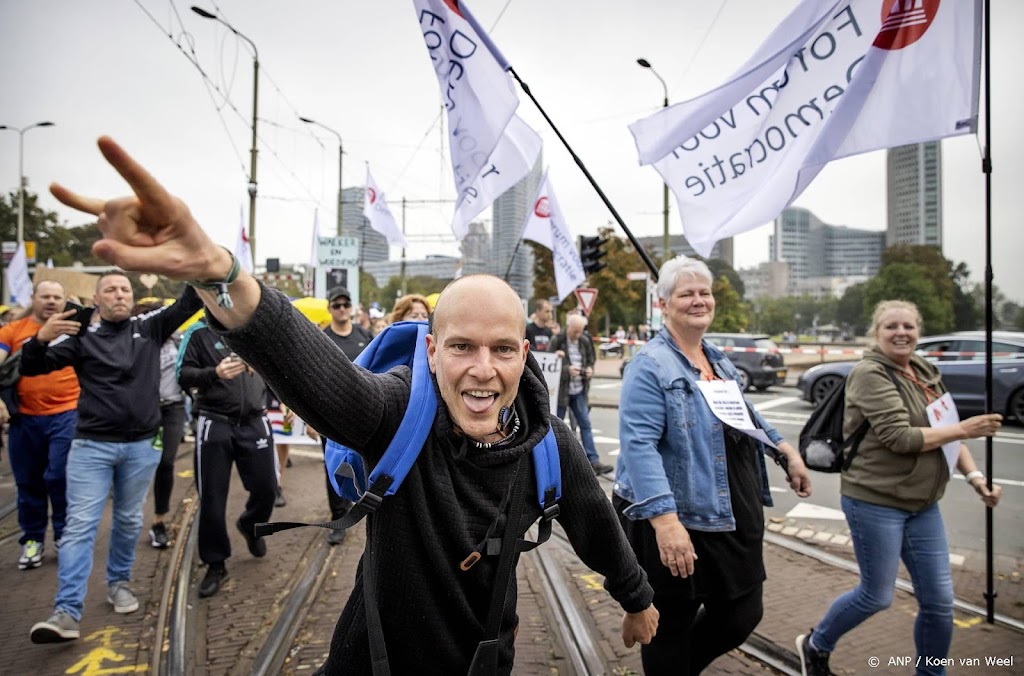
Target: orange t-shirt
<point>48,394</point>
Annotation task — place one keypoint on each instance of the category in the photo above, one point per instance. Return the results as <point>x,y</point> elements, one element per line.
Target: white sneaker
<point>31,555</point>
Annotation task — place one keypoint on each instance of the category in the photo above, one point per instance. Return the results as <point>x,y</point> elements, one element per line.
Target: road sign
<point>586,297</point>
<point>637,276</point>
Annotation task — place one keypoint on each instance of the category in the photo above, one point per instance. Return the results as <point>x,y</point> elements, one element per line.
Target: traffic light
<point>591,253</point>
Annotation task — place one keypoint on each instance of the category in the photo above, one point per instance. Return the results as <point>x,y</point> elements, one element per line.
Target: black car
<point>756,357</point>
<point>960,358</point>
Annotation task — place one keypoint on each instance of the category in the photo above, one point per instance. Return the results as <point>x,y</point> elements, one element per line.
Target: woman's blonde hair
<point>403,306</point>
<point>884,306</point>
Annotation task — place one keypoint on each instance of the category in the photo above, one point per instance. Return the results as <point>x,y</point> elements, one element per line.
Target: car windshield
<point>765,344</point>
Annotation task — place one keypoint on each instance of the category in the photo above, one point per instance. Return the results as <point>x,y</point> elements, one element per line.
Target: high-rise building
<point>374,246</point>
<point>914,194</point>
<point>509,213</point>
<point>814,250</point>
<point>476,249</point>
<point>679,245</point>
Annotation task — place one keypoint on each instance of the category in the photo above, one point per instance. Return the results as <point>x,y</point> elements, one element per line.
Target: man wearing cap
<point>351,338</point>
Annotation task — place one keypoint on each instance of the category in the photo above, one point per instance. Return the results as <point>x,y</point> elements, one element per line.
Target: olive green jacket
<point>891,468</point>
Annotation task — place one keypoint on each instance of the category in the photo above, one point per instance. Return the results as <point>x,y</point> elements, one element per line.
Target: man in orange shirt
<point>41,430</point>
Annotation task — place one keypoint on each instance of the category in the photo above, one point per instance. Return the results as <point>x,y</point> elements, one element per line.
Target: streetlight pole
<point>341,152</point>
<point>664,194</point>
<point>255,99</point>
<point>21,173</point>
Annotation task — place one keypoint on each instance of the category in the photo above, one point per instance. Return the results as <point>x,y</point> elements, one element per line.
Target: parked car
<point>960,358</point>
<point>760,369</point>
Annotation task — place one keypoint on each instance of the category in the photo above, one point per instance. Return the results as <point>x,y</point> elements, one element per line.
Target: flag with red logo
<point>835,78</point>
<point>491,148</point>
<point>243,251</point>
<point>375,209</point>
<point>546,226</point>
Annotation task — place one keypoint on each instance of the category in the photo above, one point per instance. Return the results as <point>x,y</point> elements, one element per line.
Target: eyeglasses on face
<point>340,304</point>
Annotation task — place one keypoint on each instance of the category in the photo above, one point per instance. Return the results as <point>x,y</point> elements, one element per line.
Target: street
<point>821,513</point>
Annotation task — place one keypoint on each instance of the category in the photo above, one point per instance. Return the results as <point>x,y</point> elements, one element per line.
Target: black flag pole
<point>600,193</point>
<point>513,259</point>
<point>986,167</point>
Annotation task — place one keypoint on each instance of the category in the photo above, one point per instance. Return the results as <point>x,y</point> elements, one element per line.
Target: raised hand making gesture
<point>153,231</point>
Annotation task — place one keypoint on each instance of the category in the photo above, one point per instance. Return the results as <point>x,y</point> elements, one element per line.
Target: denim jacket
<point>673,446</point>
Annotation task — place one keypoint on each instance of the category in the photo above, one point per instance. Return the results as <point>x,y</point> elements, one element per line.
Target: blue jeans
<point>881,537</point>
<point>578,404</point>
<point>39,454</point>
<point>93,468</point>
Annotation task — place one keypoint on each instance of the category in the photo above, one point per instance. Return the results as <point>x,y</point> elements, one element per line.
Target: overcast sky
<point>119,67</point>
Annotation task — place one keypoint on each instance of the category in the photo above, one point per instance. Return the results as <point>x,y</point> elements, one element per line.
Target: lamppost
<point>341,152</point>
<point>664,210</point>
<point>255,98</point>
<point>21,173</point>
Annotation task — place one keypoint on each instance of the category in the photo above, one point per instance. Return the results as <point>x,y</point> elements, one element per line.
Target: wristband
<point>974,474</point>
<point>221,287</point>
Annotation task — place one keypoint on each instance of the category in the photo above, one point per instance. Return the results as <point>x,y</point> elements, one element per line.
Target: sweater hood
<point>923,369</point>
<point>533,407</point>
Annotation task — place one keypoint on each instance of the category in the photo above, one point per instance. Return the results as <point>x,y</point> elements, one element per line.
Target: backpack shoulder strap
<point>548,470</point>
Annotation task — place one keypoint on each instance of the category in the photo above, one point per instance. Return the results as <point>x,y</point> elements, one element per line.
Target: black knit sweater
<point>433,613</point>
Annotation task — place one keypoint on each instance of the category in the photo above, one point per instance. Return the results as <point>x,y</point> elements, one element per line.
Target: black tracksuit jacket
<point>240,398</point>
<point>118,368</point>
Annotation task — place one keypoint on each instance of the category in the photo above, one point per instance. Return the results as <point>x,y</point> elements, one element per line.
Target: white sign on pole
<point>551,365</point>
<point>337,265</point>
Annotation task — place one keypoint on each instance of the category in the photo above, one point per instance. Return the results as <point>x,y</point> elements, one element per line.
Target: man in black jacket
<point>117,361</point>
<point>231,425</point>
<point>492,411</point>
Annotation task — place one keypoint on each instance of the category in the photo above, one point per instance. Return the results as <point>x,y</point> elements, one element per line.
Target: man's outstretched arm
<point>153,231</point>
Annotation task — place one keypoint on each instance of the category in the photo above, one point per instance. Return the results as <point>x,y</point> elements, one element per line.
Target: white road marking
<point>773,403</point>
<point>806,510</point>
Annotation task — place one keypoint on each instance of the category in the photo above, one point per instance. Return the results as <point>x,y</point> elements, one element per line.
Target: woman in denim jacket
<point>689,490</point>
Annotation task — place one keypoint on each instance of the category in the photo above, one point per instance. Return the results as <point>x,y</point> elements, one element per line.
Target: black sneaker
<point>336,536</point>
<point>279,500</point>
<point>812,662</point>
<point>158,536</point>
<point>216,574</point>
<point>257,547</point>
<point>601,468</point>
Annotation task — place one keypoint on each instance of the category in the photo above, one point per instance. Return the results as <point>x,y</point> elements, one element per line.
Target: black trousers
<point>172,421</point>
<point>692,634</point>
<point>339,505</point>
<point>251,447</point>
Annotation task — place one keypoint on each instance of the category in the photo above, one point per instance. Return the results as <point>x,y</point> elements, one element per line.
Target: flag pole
<point>600,193</point>
<point>512,260</point>
<point>986,167</point>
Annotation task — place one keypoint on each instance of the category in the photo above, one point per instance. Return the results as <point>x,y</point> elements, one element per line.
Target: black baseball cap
<point>338,292</point>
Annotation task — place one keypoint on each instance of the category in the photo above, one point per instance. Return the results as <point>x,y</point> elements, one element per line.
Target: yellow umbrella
<point>191,320</point>
<point>432,299</point>
<point>315,309</point>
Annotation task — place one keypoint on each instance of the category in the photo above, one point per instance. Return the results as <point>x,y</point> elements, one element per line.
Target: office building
<point>914,194</point>
<point>374,246</point>
<point>509,215</point>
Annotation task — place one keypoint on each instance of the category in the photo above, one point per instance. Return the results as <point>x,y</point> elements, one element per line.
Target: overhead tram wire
<point>193,58</point>
<point>704,39</point>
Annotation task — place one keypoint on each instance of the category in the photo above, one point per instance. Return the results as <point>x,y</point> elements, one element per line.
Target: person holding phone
<point>41,429</point>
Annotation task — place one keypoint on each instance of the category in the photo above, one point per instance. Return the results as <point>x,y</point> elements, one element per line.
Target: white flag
<point>18,280</point>
<point>375,208</point>
<point>546,226</point>
<point>836,78</point>
<point>314,247</point>
<point>490,147</point>
<point>243,251</point>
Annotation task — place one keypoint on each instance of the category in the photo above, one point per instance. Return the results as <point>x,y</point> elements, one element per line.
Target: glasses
<point>340,304</point>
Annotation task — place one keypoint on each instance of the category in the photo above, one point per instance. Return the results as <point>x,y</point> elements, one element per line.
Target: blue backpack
<point>404,344</point>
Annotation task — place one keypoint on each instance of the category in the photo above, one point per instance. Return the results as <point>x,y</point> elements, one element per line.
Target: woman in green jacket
<point>892,488</point>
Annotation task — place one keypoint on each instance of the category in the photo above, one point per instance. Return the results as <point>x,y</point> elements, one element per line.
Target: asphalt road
<point>962,511</point>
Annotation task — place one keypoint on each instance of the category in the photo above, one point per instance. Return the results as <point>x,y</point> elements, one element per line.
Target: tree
<point>730,312</point>
<point>54,240</point>
<point>910,282</point>
<point>418,284</point>
<point>619,300</point>
<point>850,310</point>
<point>965,310</point>
<point>720,268</point>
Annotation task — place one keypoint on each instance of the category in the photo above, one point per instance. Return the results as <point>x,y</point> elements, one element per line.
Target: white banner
<point>314,244</point>
<point>375,209</point>
<point>243,251</point>
<point>835,79</point>
<point>18,280</point>
<point>551,365</point>
<point>490,146</point>
<point>546,226</point>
